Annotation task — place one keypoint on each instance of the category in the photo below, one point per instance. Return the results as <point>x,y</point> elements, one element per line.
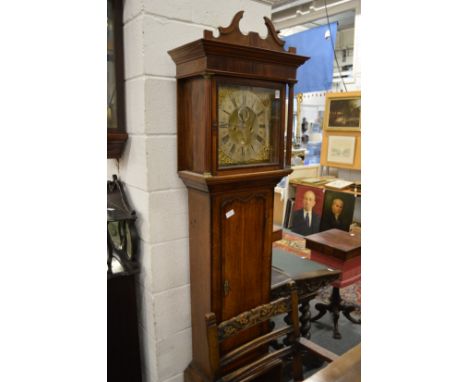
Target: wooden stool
<point>339,250</point>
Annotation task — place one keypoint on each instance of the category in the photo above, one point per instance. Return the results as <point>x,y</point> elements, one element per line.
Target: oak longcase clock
<point>234,146</point>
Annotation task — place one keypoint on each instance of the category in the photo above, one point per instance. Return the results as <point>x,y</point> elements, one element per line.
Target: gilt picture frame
<point>343,111</point>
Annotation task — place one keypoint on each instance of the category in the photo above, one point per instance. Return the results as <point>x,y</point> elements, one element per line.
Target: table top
<point>287,266</point>
<point>336,239</point>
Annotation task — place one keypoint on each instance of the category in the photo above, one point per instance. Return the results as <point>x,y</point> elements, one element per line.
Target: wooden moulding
<point>208,55</point>
<point>115,144</point>
<point>224,183</point>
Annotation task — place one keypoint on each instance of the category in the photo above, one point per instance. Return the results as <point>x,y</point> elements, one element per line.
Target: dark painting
<point>338,209</point>
<point>345,113</point>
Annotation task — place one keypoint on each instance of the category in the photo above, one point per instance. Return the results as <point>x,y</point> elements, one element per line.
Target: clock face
<point>247,117</point>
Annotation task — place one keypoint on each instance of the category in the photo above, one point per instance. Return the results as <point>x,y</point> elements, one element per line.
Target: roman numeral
<point>261,126</point>
<point>225,139</point>
<point>228,113</point>
<point>259,138</point>
<point>233,149</point>
<point>234,102</point>
<point>260,113</point>
<point>224,125</point>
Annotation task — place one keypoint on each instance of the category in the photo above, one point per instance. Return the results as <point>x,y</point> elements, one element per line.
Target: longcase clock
<point>234,146</point>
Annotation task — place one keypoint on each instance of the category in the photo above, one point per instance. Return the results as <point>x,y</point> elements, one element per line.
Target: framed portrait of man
<point>306,214</point>
<point>338,210</point>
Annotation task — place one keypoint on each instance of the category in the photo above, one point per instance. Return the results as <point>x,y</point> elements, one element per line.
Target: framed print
<point>341,149</point>
<point>343,111</point>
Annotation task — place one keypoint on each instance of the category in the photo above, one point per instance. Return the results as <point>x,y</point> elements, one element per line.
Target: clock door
<point>245,254</point>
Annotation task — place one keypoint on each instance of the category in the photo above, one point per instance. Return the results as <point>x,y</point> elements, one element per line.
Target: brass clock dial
<point>245,124</point>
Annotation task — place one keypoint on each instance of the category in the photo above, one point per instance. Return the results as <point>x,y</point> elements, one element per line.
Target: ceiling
<point>292,16</point>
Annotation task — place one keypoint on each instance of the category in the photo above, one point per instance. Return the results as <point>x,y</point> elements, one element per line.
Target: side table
<point>339,250</point>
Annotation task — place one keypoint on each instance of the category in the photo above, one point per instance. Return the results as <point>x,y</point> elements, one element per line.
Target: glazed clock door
<point>245,256</point>
<point>248,124</point>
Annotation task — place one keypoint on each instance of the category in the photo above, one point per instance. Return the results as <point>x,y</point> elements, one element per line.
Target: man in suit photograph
<point>304,221</point>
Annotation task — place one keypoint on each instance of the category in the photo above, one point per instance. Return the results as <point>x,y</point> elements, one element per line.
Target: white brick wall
<point>148,167</point>
<point>161,117</point>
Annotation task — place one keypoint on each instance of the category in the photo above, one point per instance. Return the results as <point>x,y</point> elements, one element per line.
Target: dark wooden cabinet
<point>232,152</point>
<point>123,347</point>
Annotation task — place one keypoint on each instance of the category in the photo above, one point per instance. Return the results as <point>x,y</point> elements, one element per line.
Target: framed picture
<point>338,210</point>
<point>341,149</point>
<point>305,213</point>
<point>343,111</point>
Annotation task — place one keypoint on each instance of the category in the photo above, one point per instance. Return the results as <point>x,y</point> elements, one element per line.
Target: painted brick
<point>174,354</point>
<point>145,276</point>
<point>162,35</point>
<point>135,105</point>
<point>177,378</point>
<point>134,55</point>
<point>160,106</point>
<point>168,215</point>
<point>112,168</point>
<point>131,9</point>
<point>170,265</point>
<point>180,9</point>
<point>171,312</point>
<point>148,355</point>
<point>139,200</point>
<point>162,163</point>
<point>207,12</point>
<point>220,13</point>
<point>145,306</point>
<point>134,166</point>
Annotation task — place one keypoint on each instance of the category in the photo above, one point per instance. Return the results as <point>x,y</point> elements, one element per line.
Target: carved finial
<point>233,34</point>
<point>234,26</point>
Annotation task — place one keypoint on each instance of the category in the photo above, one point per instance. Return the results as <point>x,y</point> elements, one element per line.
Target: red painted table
<point>339,250</point>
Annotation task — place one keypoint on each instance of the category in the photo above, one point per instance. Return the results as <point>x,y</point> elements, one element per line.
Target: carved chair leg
<point>305,317</point>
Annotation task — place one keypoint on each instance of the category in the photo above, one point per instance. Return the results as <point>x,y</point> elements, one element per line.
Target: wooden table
<point>309,277</point>
<point>339,250</point>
